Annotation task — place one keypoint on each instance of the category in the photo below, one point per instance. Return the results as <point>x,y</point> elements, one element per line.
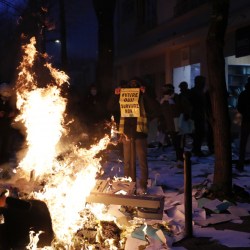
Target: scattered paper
<point>216,218</point>
<point>238,211</point>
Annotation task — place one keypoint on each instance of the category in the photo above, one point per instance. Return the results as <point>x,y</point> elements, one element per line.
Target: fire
<point>34,238</point>
<point>41,111</point>
<point>67,172</point>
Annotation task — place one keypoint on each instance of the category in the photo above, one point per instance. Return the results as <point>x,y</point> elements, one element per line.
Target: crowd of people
<point>133,106</point>
<point>187,114</point>
<point>178,116</point>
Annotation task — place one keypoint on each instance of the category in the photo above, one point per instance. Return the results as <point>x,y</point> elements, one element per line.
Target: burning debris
<point>20,217</point>
<point>58,178</point>
<point>40,174</point>
<point>110,232</point>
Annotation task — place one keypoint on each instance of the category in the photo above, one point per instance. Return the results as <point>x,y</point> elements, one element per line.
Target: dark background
<point>81,37</point>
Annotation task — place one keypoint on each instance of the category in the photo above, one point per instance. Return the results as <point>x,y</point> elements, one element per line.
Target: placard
<point>129,102</point>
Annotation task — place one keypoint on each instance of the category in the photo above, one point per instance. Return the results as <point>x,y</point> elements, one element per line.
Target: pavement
<point>209,243</point>
<point>202,243</point>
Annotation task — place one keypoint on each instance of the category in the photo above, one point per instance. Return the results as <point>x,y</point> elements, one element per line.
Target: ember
<point>110,231</point>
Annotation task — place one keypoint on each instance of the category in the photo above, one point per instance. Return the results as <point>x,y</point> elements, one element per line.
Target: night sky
<point>81,25</point>
<point>82,28</point>
<point>11,7</point>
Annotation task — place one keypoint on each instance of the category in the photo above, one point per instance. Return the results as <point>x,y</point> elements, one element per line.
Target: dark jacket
<point>243,105</point>
<point>198,102</point>
<point>94,109</point>
<point>171,112</point>
<point>152,109</point>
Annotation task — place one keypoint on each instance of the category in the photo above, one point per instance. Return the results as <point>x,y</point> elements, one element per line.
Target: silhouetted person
<point>134,128</point>
<point>209,123</point>
<point>6,116</point>
<point>243,107</point>
<point>184,90</point>
<point>172,106</point>
<point>94,114</point>
<point>197,99</point>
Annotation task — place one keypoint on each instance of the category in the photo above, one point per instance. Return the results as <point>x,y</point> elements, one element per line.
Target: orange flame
<point>67,181</point>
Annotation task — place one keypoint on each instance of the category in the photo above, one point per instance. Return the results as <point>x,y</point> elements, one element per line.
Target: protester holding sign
<point>136,109</point>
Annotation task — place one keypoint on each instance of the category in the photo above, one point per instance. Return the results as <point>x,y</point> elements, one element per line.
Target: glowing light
<point>67,181</point>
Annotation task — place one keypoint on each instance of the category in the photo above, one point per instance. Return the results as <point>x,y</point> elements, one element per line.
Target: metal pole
<point>132,160</point>
<point>188,195</point>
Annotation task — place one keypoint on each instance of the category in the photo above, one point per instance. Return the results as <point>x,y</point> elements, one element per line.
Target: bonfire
<point>58,172</point>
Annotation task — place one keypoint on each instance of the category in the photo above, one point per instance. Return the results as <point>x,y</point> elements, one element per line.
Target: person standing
<point>6,117</point>
<point>243,108</point>
<point>174,107</point>
<point>133,131</point>
<point>209,123</point>
<point>198,102</point>
<point>184,90</point>
<point>94,114</point>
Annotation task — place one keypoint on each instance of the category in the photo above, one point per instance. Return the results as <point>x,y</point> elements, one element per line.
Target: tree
<point>105,14</point>
<point>218,93</point>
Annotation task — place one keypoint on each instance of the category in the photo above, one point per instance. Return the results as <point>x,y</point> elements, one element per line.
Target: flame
<point>67,180</point>
<point>34,238</point>
<point>145,229</point>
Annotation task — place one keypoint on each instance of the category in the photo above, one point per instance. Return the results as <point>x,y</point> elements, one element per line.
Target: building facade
<point>165,41</point>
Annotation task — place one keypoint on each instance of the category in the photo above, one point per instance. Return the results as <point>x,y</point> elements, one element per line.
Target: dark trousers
<point>244,133</point>
<point>198,135</point>
<point>141,154</point>
<point>178,144</point>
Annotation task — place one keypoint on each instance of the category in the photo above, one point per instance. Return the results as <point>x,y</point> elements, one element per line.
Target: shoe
<point>141,191</point>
